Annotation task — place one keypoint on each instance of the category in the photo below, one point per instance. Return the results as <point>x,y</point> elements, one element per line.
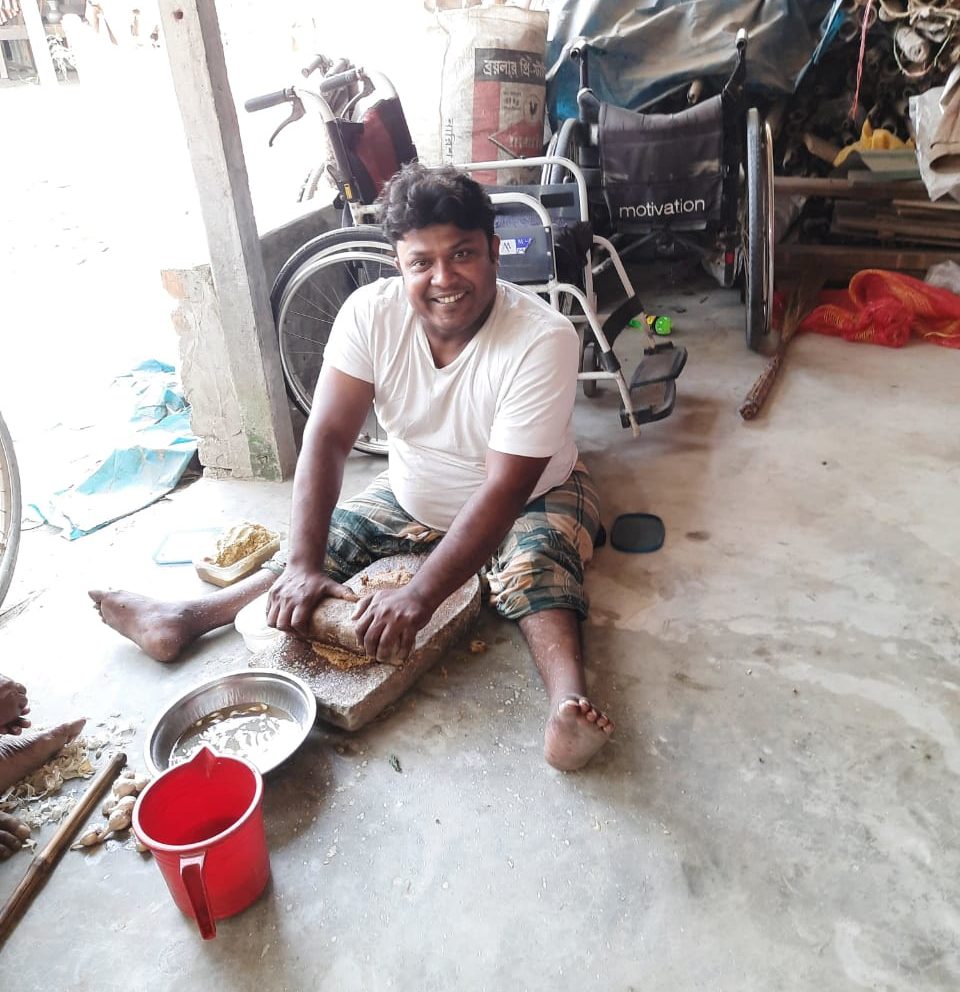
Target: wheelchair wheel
<point>758,230</point>
<point>362,237</point>
<point>590,363</point>
<point>305,308</point>
<point>569,142</point>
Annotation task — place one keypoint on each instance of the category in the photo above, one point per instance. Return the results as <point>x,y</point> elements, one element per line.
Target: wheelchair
<point>547,247</point>
<point>368,140</point>
<point>700,180</point>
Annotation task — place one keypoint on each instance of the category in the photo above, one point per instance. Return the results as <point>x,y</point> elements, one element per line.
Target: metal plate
<point>280,689</point>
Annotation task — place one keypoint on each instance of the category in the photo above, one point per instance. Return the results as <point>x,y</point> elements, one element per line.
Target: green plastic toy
<point>661,325</point>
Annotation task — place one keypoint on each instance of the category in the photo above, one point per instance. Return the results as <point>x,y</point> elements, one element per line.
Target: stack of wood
<point>878,224</point>
<point>900,221</point>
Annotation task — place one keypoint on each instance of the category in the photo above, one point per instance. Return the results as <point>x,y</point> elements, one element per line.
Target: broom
<point>801,299</point>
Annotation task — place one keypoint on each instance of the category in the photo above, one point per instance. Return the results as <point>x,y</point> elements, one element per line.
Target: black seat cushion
<point>663,170</point>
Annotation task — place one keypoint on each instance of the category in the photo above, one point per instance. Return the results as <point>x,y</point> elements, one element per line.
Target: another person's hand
<point>296,594</point>
<point>13,706</point>
<point>387,622</point>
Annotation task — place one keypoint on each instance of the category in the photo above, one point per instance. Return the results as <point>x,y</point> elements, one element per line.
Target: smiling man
<point>474,381</point>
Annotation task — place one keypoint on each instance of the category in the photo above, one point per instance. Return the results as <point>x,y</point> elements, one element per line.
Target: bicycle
<point>369,140</point>
<point>10,508</point>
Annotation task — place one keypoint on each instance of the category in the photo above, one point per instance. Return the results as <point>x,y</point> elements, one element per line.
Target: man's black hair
<point>417,197</point>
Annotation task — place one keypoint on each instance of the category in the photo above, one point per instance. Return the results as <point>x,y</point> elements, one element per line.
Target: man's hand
<point>13,706</point>
<point>296,594</point>
<point>388,620</point>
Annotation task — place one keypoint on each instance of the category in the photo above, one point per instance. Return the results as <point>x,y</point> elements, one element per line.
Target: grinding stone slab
<point>353,697</point>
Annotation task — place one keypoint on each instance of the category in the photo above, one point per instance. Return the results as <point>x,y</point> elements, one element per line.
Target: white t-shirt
<point>512,389</point>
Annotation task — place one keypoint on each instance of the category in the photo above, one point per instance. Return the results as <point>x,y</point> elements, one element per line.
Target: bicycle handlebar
<point>256,103</point>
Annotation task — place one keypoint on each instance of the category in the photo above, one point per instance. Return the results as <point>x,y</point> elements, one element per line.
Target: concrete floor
<point>777,809</point>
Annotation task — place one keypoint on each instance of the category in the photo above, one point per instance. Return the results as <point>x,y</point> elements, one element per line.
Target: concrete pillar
<point>252,359</point>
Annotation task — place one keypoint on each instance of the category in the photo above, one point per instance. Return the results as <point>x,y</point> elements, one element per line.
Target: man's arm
<point>388,621</point>
<point>340,405</point>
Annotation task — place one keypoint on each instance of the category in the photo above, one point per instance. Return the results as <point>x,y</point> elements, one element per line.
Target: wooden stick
<point>44,862</point>
<point>797,306</point>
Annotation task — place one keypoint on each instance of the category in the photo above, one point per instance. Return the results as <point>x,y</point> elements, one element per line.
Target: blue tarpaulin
<point>153,450</point>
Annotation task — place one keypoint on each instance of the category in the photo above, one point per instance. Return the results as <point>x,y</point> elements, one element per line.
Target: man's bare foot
<point>12,835</point>
<point>19,756</point>
<point>160,629</point>
<point>575,732</point>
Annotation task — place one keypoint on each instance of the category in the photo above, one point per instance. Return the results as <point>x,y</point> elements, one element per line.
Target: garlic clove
<point>120,818</point>
<point>90,839</point>
<point>122,814</point>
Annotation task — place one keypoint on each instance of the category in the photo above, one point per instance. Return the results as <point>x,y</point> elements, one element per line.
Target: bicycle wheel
<point>758,229</point>
<point>305,312</point>
<point>9,509</point>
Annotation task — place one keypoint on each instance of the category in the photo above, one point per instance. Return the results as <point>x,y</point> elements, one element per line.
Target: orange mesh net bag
<point>886,308</point>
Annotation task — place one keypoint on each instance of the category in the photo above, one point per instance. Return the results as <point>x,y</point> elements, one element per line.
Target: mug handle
<point>191,874</point>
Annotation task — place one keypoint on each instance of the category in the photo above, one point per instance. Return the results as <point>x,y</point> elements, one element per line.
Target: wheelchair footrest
<point>659,368</point>
<point>660,363</point>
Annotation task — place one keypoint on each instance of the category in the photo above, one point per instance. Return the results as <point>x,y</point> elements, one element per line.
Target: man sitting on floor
<point>474,382</point>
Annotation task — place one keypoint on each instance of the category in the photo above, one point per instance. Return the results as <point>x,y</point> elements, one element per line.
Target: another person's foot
<point>12,835</point>
<point>160,629</point>
<point>575,732</point>
<point>14,706</point>
<point>19,756</point>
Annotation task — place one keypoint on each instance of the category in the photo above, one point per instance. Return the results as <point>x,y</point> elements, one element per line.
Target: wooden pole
<point>44,862</point>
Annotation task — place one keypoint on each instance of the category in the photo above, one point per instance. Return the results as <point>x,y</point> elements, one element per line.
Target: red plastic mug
<point>203,821</point>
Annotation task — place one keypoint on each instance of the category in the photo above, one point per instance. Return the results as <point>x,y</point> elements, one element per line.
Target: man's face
<point>450,276</point>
